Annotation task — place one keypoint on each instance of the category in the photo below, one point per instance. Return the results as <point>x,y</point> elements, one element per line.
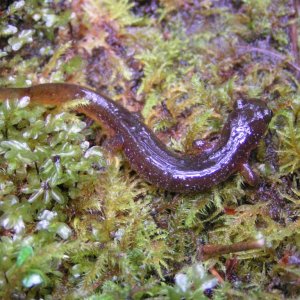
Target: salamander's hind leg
<point>114,144</point>
<point>249,175</point>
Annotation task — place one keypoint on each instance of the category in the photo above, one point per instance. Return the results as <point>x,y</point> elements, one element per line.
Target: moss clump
<point>286,125</point>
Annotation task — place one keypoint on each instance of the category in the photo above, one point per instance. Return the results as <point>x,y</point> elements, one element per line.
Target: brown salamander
<point>148,156</point>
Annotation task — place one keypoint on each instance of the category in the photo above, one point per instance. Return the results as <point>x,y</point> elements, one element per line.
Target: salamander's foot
<point>249,175</point>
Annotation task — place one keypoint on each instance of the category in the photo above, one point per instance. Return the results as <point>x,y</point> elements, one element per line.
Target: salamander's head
<point>254,109</point>
<point>250,119</point>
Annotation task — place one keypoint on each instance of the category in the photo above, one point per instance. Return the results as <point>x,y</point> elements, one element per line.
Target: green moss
<point>36,174</point>
<point>285,124</point>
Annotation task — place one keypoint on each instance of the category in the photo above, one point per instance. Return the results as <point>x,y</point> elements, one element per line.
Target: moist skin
<point>147,155</point>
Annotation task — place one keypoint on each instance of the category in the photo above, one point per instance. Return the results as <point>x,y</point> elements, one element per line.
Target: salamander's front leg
<point>204,146</point>
<point>248,174</point>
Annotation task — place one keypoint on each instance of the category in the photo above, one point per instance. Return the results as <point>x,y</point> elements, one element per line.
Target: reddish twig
<point>294,33</point>
<point>208,251</point>
<point>272,54</point>
<point>216,274</point>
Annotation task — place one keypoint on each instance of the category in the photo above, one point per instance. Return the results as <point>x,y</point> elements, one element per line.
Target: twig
<point>272,54</point>
<point>208,251</point>
<point>216,274</point>
<point>294,33</point>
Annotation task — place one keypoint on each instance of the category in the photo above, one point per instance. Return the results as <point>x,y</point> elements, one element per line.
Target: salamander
<point>148,156</point>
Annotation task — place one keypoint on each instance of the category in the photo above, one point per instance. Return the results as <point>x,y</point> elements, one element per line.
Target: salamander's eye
<point>268,114</point>
<point>240,103</point>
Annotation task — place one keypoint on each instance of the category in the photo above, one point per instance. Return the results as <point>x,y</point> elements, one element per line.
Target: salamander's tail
<point>73,96</point>
<point>12,93</point>
<point>53,94</point>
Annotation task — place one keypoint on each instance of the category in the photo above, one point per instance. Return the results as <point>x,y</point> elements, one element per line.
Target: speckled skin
<point>148,156</point>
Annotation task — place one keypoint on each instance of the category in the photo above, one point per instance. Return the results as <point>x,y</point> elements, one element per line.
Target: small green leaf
<point>15,145</point>
<point>24,253</point>
<point>57,195</point>
<point>23,38</point>
<point>64,231</point>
